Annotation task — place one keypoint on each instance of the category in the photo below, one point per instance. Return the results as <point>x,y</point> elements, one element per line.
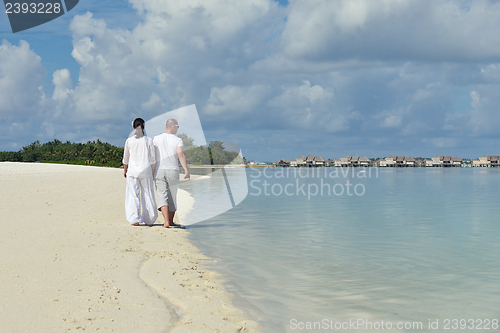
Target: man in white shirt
<point>168,154</point>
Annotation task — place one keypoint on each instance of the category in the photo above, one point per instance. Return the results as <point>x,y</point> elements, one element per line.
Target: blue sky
<point>280,79</point>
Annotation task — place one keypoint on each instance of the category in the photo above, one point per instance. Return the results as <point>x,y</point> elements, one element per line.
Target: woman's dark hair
<point>139,122</point>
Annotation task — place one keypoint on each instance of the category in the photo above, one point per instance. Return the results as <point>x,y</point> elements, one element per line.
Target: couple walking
<point>157,159</point>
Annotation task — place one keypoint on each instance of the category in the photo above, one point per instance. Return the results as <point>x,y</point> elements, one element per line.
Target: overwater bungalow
<point>446,161</point>
<point>434,162</point>
<point>481,162</point>
<point>400,161</point>
<point>282,163</point>
<point>410,161</point>
<point>309,160</point>
<point>456,162</point>
<point>364,162</point>
<point>486,161</point>
<point>494,160</point>
<point>319,161</point>
<point>334,162</point>
<point>301,161</point>
<point>353,161</point>
<point>387,162</point>
<point>396,161</point>
<point>344,161</point>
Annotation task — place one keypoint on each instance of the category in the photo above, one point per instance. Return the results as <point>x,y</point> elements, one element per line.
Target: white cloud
<point>202,22</point>
<point>392,29</point>
<point>441,142</point>
<point>235,100</point>
<point>115,77</point>
<point>301,95</point>
<point>126,71</point>
<point>484,118</point>
<point>63,84</point>
<point>22,99</point>
<point>154,102</point>
<point>426,93</point>
<point>21,79</point>
<point>476,99</point>
<point>313,107</point>
<point>81,51</point>
<point>392,119</point>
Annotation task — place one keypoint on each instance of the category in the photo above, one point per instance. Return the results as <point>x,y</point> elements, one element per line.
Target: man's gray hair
<point>171,122</point>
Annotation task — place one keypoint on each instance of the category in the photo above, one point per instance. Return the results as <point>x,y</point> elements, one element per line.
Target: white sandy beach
<point>70,260</point>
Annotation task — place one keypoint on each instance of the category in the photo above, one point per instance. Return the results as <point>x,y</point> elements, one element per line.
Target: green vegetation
<point>188,142</point>
<point>197,155</point>
<point>95,153</point>
<point>98,153</point>
<point>214,154</point>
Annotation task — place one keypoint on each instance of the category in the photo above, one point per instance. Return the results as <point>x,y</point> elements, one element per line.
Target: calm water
<point>407,245</point>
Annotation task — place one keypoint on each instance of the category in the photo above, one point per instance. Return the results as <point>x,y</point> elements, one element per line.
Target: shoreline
<point>71,261</point>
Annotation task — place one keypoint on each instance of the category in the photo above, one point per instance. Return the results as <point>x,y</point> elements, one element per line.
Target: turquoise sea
<point>397,250</point>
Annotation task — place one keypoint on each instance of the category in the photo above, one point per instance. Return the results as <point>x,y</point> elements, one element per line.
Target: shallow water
<point>409,245</point>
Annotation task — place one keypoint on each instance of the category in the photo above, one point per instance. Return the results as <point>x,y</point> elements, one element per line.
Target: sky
<point>280,79</point>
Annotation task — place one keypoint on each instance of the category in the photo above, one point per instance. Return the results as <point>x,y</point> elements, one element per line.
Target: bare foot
<point>166,225</point>
<point>136,224</point>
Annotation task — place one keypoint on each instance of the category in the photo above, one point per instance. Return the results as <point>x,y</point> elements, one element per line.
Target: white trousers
<point>140,191</point>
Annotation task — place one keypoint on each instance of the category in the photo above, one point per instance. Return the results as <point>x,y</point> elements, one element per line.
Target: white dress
<point>139,154</point>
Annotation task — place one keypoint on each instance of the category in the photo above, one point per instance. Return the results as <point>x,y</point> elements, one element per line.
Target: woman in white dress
<point>139,166</point>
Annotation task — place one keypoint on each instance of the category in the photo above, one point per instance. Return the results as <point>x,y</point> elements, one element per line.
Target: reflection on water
<point>419,244</point>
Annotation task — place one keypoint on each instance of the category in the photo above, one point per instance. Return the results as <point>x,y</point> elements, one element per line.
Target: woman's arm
<point>126,156</point>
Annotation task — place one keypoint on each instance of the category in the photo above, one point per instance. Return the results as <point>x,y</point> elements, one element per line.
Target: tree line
<point>98,153</point>
<point>95,153</point>
<point>214,154</point>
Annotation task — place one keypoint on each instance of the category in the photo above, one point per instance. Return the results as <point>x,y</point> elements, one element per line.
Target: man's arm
<point>125,166</point>
<point>182,159</point>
